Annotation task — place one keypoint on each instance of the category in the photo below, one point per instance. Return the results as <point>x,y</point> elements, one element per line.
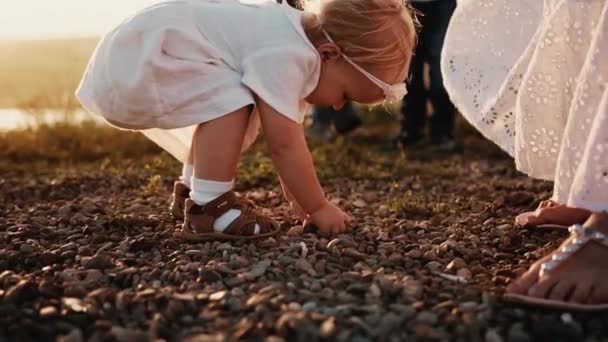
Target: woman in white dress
<point>532,76</point>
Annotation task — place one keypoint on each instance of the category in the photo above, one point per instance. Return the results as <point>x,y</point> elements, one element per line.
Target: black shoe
<point>444,143</point>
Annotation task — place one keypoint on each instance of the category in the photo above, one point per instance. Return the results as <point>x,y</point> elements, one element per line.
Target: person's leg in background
<point>321,124</point>
<point>344,121</point>
<point>413,108</point>
<point>442,121</point>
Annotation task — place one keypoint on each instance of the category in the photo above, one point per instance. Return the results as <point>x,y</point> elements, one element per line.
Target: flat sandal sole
<point>553,304</point>
<point>222,236</point>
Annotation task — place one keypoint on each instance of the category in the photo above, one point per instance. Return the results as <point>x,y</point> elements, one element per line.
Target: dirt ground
<point>87,251</point>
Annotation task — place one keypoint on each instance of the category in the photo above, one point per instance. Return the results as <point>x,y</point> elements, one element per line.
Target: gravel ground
<point>87,253</point>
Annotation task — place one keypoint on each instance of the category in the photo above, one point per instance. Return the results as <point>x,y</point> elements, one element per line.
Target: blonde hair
<point>375,34</point>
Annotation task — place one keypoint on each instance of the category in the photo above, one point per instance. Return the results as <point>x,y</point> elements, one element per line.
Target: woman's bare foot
<point>550,212</point>
<point>580,278</point>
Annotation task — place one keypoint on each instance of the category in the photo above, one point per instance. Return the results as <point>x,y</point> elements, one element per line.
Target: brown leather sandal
<point>198,221</point>
<point>178,199</point>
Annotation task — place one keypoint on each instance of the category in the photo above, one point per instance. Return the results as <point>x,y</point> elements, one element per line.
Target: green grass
<point>363,156</point>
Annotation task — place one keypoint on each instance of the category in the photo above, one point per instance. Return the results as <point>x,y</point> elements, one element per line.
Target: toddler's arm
<point>291,157</point>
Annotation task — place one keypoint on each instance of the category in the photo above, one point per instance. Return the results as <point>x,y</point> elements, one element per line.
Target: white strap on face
<point>392,92</point>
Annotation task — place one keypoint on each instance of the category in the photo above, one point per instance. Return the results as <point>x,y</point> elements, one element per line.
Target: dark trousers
<point>434,20</point>
<point>343,120</point>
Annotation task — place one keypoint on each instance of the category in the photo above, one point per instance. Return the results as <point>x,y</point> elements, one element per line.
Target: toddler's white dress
<point>180,63</point>
<point>532,76</point>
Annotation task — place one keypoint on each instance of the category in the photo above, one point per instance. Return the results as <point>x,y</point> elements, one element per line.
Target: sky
<point>45,19</point>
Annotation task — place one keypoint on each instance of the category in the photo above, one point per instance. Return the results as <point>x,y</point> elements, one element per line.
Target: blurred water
<point>14,118</point>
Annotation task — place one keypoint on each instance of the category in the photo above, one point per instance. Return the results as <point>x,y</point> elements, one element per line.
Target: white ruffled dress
<point>532,76</point>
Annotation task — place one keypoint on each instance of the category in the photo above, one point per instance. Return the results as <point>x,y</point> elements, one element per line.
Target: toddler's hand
<point>330,220</point>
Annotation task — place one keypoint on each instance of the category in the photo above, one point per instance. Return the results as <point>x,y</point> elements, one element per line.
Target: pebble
<point>305,266</point>
<point>359,203</point>
<point>73,336</point>
<point>427,317</point>
<point>23,290</point>
<point>456,264</point>
<point>26,248</point>
<point>104,272</point>
<point>517,334</point>
<point>492,336</point>
<point>309,306</point>
<point>217,296</point>
<point>295,231</point>
<point>468,306</point>
<point>414,254</point>
<point>328,327</point>
<point>465,273</point>
<point>433,265</point>
<point>99,262</point>
<point>48,311</point>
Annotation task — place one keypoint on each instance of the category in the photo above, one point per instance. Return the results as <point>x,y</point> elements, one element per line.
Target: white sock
<point>187,173</point>
<point>204,191</point>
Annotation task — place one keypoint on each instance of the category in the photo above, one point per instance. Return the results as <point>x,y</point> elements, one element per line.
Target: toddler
<point>201,77</point>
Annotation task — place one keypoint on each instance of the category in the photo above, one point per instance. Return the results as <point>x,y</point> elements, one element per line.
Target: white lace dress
<point>532,76</point>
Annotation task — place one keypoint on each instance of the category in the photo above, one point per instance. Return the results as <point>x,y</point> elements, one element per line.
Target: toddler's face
<point>340,82</point>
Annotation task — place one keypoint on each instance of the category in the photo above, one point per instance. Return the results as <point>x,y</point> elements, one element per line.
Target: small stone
<point>517,333</point>
<point>309,306</point>
<point>74,304</point>
<point>257,270</point>
<point>69,246</point>
<point>427,332</point>
<point>305,266</point>
<point>444,305</point>
<point>74,336</point>
<point>209,276</point>
<point>328,327</point>
<point>375,291</point>
<point>370,196</point>
<point>49,289</point>
<point>194,252</point>
<point>355,254</point>
<point>295,231</point>
<point>396,258</point>
<point>414,254</point>
<point>430,255</point>
<point>493,336</point>
<point>464,273</point>
<point>23,290</point>
<point>217,296</point>
<point>467,306</point>
<point>426,317</point>
<point>234,281</point>
<point>456,264</point>
<point>359,203</point>
<point>504,227</point>
<point>98,262</point>
<point>128,335</point>
<point>48,311</point>
<point>26,248</point>
<point>433,265</point>
<point>293,306</point>
<point>224,247</point>
<point>519,198</point>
